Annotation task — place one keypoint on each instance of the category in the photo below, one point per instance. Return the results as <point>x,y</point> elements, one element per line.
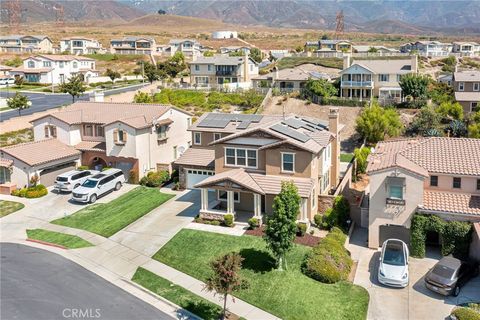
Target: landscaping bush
<point>361,155</point>
<point>301,229</point>
<point>155,178</point>
<point>329,261</point>
<point>106,168</point>
<point>228,220</point>
<point>253,223</point>
<point>338,215</point>
<point>466,314</point>
<point>318,219</point>
<point>81,168</point>
<point>31,192</point>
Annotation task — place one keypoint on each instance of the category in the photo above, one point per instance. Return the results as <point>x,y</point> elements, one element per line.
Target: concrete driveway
<point>414,302</point>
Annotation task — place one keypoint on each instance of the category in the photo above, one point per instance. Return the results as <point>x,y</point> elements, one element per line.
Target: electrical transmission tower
<point>59,15</point>
<point>14,14</point>
<point>340,25</point>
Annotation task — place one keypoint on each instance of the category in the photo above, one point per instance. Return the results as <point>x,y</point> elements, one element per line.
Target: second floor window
<point>31,64</point>
<point>478,184</point>
<point>288,162</point>
<point>47,64</point>
<point>50,131</point>
<point>88,130</point>
<point>476,86</point>
<point>197,138</point>
<point>395,192</point>
<point>217,136</point>
<point>119,136</point>
<point>434,181</point>
<point>383,77</point>
<point>209,67</point>
<point>162,132</point>
<point>197,67</point>
<point>457,183</point>
<point>461,86</point>
<point>75,65</point>
<point>241,157</point>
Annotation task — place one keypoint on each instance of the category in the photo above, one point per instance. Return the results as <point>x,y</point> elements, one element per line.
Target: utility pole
<point>143,72</point>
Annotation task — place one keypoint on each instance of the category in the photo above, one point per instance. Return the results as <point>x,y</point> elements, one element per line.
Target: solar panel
<point>221,120</point>
<point>243,125</point>
<point>290,132</point>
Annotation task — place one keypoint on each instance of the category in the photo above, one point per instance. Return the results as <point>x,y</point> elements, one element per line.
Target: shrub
<point>215,223</point>
<point>132,177</point>
<point>253,223</point>
<point>466,314</point>
<point>31,192</point>
<point>301,229</point>
<point>106,168</point>
<point>228,220</point>
<point>338,214</point>
<point>81,168</point>
<point>361,155</point>
<point>318,219</point>
<point>329,261</point>
<point>155,178</point>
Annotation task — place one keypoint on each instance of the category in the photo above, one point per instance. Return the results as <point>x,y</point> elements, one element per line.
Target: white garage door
<point>195,176</point>
<point>48,176</point>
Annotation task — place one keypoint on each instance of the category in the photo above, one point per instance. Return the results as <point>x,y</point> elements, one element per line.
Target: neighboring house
<point>189,47</point>
<point>379,49</point>
<point>45,159</point>
<point>439,176</point>
<point>55,69</point>
<point>224,35</point>
<point>231,49</point>
<point>80,45</point>
<point>428,48</point>
<point>290,78</point>
<point>279,54</point>
<point>446,78</point>
<point>134,137</point>
<point>367,78</point>
<point>466,48</point>
<point>344,46</point>
<point>29,43</point>
<point>218,70</point>
<point>5,71</point>
<point>243,160</point>
<point>466,85</point>
<point>133,45</point>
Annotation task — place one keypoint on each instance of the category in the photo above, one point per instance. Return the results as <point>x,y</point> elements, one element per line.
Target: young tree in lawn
<point>226,278</point>
<point>19,102</point>
<point>74,87</point>
<point>414,85</point>
<point>151,72</point>
<point>112,74</point>
<point>281,227</point>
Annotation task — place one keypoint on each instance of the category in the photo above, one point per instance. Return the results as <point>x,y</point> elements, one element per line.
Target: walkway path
<point>116,258</point>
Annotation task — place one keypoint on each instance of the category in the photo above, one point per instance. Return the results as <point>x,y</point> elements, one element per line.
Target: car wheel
<point>93,198</point>
<point>118,186</point>
<point>456,292</point>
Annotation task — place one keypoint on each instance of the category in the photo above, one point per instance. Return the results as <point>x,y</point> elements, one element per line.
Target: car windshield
<point>90,183</point>
<point>63,179</point>
<point>443,271</point>
<point>393,255</point>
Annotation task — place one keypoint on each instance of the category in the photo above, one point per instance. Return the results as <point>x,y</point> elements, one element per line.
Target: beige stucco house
<point>26,43</point>
<point>243,159</point>
<point>466,85</point>
<point>434,175</point>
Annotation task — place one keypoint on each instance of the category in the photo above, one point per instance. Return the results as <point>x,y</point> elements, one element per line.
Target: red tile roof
<point>197,157</point>
<point>451,202</point>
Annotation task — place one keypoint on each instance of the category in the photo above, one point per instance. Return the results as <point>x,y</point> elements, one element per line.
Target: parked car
<point>98,185</point>
<point>5,81</point>
<point>393,269</point>
<point>70,180</point>
<point>449,275</point>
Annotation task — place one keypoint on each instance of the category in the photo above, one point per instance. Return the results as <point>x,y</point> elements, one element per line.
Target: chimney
<point>346,61</point>
<point>275,76</point>
<point>96,96</point>
<point>414,63</point>
<point>245,67</point>
<point>333,127</point>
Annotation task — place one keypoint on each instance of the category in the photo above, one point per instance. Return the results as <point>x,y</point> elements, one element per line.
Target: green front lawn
<point>176,294</point>
<point>7,207</point>
<point>107,219</point>
<point>346,157</point>
<point>288,294</point>
<point>66,240</point>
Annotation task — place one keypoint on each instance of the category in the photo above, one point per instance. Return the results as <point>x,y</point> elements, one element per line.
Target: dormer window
<point>50,131</point>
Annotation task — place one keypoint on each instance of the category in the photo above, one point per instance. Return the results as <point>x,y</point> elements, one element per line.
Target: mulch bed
<point>306,240</point>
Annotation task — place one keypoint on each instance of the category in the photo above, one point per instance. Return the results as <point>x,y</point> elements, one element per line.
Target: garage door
<point>125,167</point>
<point>47,176</point>
<point>394,232</point>
<point>195,176</point>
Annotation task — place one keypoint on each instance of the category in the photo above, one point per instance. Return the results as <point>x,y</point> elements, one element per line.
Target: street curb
<point>47,243</point>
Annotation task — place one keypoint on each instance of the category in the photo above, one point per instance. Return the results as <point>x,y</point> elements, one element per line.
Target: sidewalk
<point>117,258</point>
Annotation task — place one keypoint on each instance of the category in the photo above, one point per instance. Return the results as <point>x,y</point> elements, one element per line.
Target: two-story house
<point>133,45</point>
<point>235,49</point>
<point>439,176</point>
<point>344,46</point>
<point>466,85</point>
<point>287,79</point>
<point>189,47</point>
<point>218,70</point>
<point>136,138</point>
<point>428,48</point>
<point>55,69</point>
<point>466,48</point>
<point>367,78</point>
<point>239,161</point>
<point>80,45</point>
<point>26,43</point>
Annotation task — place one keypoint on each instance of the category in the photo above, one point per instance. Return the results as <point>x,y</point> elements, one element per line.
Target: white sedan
<point>393,270</point>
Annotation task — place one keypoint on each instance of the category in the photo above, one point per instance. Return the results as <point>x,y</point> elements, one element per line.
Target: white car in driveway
<point>98,185</point>
<point>393,269</point>
<point>70,180</point>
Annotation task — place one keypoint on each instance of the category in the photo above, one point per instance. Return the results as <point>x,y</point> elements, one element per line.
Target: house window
<point>119,136</point>
<point>461,86</point>
<point>395,192</point>
<point>241,157</point>
<point>4,175</point>
<point>383,77</point>
<point>47,64</point>
<point>476,86</point>
<point>222,196</point>
<point>473,106</point>
<point>189,122</point>
<point>75,64</point>
<point>478,184</point>
<point>197,67</point>
<point>209,67</point>
<point>314,203</point>
<point>325,180</point>
<point>399,77</point>
<point>217,136</point>
<point>88,130</point>
<point>434,181</point>
<point>31,64</point>
<point>174,152</point>
<point>288,162</point>
<point>50,131</point>
<point>197,138</point>
<point>457,183</point>
<point>61,64</point>
<point>99,132</point>
<point>162,132</point>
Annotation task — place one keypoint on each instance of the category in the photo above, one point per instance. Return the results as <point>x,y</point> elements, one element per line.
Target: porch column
<point>303,209</point>
<point>204,198</point>
<point>230,202</point>
<point>257,205</point>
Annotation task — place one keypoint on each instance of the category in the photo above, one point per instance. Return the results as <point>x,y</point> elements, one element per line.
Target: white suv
<point>98,185</point>
<point>70,180</point>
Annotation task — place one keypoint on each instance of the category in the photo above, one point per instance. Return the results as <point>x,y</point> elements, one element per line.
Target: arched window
<point>31,64</point>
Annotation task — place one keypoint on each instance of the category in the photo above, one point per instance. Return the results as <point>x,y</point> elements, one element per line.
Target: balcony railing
<point>368,84</point>
<point>226,73</point>
<point>396,202</point>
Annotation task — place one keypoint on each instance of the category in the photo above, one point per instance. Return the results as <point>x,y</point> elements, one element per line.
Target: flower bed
<point>306,240</point>
<point>31,192</point>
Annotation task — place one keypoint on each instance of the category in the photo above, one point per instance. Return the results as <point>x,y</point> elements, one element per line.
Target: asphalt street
<point>37,284</point>
<point>42,102</point>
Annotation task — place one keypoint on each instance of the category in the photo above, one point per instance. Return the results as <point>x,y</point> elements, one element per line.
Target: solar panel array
<point>289,132</point>
<point>221,120</point>
<point>307,124</point>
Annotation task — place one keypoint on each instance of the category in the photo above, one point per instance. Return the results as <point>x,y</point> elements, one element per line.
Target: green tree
<point>151,72</point>
<point>19,81</point>
<point>19,102</point>
<point>450,111</point>
<point>427,120</point>
<point>299,49</point>
<point>74,87</point>
<point>372,50</point>
<point>474,130</point>
<point>256,55</point>
<point>208,53</point>
<point>325,37</point>
<point>375,123</point>
<point>281,227</point>
<point>361,155</point>
<point>414,85</point>
<point>172,67</point>
<point>142,97</point>
<point>112,74</point>
<point>226,277</point>
<point>440,92</point>
<point>15,62</point>
<point>321,88</point>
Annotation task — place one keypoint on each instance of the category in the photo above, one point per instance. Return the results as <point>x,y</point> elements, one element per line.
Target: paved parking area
<point>414,302</point>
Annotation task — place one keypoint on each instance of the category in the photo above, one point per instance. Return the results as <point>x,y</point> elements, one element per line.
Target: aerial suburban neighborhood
<point>240,160</point>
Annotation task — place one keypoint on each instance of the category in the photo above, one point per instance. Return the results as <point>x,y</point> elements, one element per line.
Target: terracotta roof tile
<point>451,202</point>
<point>197,157</point>
<point>91,146</point>
<point>5,162</point>
<point>237,176</point>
